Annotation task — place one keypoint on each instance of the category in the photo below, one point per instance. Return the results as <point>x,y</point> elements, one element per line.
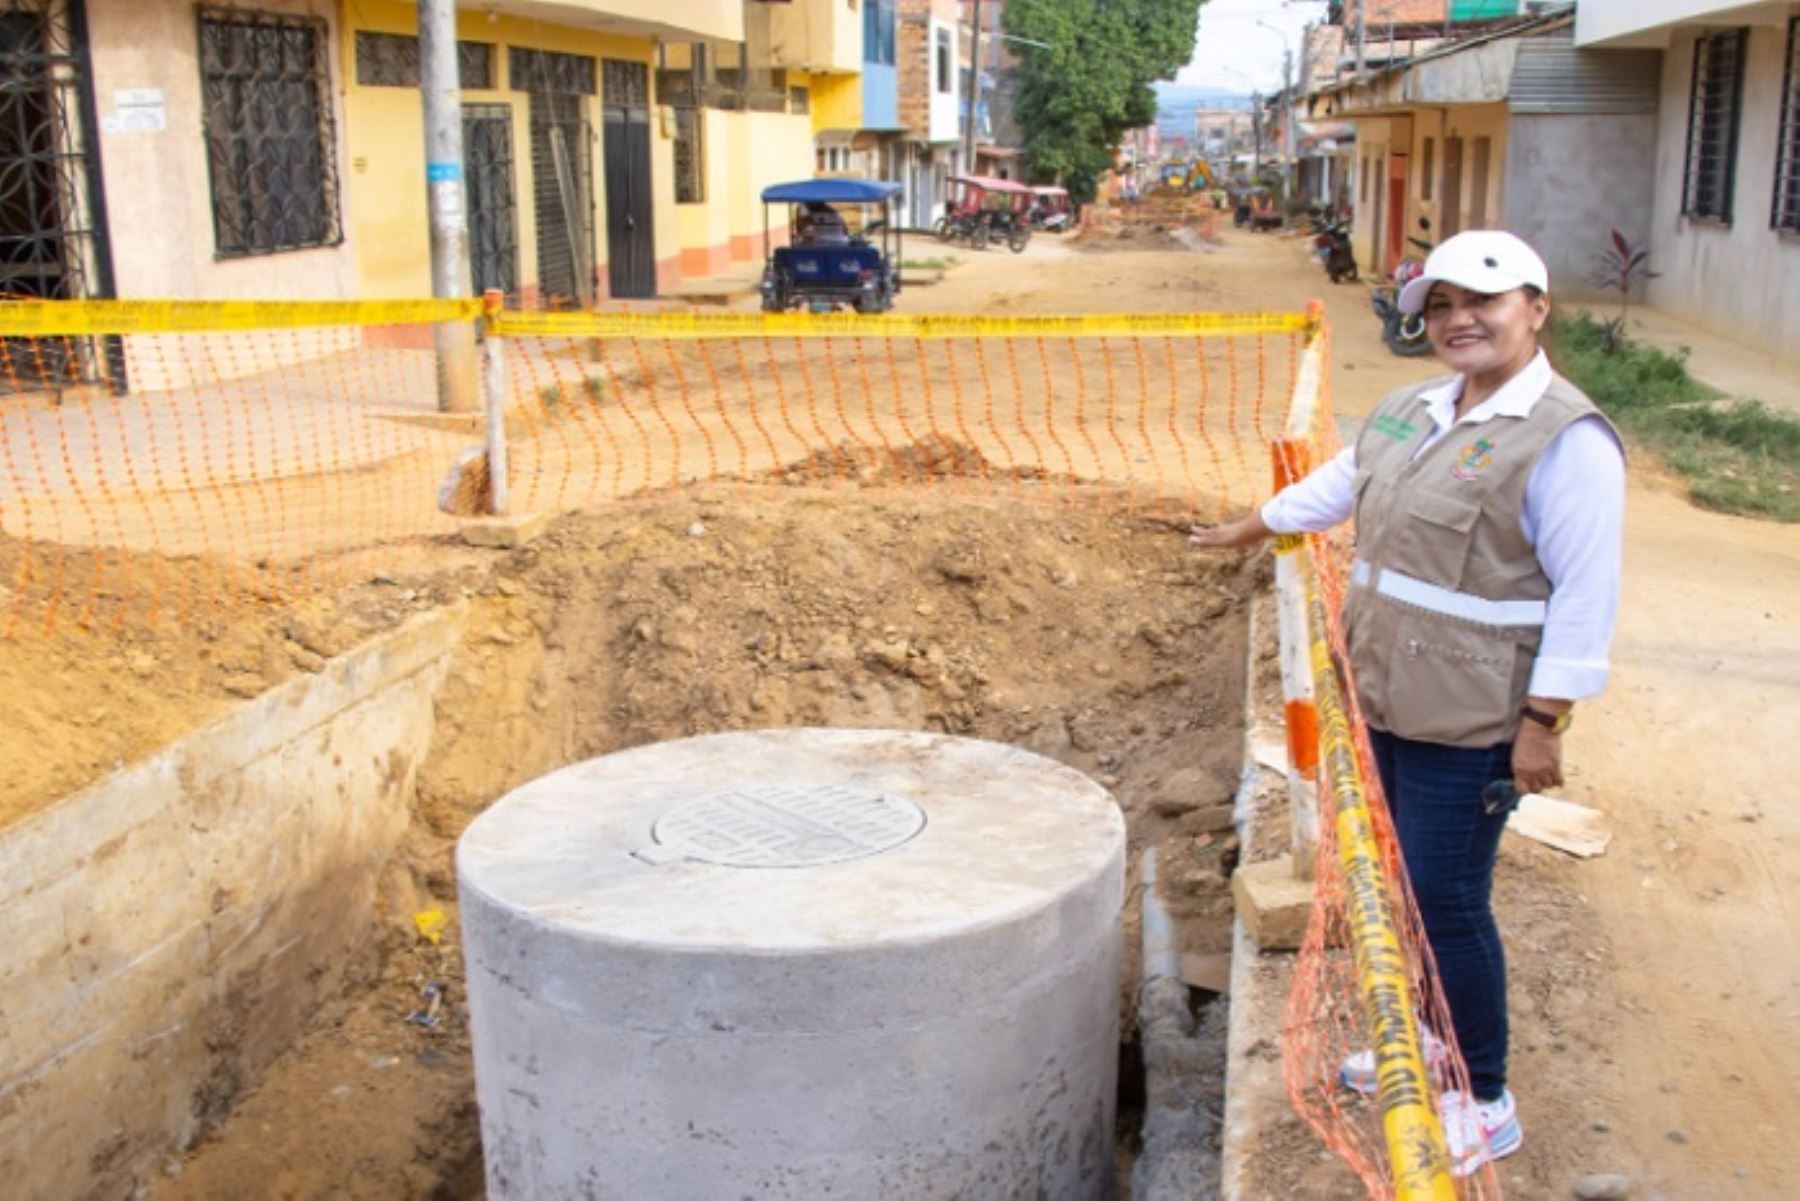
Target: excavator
<point>1189,177</point>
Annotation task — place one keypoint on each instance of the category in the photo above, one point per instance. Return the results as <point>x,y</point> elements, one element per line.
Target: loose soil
<point>1081,633</point>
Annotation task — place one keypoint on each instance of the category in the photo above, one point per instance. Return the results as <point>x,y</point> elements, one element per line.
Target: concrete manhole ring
<point>774,825</point>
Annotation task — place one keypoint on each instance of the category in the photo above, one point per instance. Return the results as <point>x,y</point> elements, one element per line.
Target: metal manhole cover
<point>773,826</point>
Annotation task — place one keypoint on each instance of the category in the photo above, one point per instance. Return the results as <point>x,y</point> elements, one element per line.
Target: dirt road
<point>1656,988</point>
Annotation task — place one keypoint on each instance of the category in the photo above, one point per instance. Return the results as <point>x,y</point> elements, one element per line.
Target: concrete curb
<point>1254,1091</point>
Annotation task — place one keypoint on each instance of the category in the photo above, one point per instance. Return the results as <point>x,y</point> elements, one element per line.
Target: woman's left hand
<point>1536,758</point>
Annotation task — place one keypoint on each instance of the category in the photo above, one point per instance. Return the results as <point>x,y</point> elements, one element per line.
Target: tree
<point>1077,97</point>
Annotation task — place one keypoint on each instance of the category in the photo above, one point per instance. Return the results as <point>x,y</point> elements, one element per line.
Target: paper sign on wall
<point>137,110</point>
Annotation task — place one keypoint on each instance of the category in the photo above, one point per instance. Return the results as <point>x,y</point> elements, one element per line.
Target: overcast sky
<point>1233,51</point>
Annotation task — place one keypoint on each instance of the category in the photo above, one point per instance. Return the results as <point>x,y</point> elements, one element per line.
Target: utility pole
<point>440,87</point>
<point>1256,137</point>
<point>1359,40</point>
<point>974,89</point>
<point>1290,149</point>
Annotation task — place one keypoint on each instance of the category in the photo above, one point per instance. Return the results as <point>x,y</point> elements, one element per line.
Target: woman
<point>1488,513</point>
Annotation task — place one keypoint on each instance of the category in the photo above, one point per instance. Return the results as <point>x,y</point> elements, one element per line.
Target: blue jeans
<point>1449,844</point>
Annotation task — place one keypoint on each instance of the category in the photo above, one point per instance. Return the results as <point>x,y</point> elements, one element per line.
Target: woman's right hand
<point>1235,535</point>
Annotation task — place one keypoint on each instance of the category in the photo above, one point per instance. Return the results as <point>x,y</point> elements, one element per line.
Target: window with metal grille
<point>391,60</point>
<point>1713,106</point>
<point>690,156</point>
<point>879,32</point>
<point>271,145</point>
<point>547,71</point>
<point>1785,214</point>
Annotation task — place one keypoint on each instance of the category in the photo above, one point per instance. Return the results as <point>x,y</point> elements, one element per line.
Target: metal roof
<point>1552,76</point>
<point>831,191</point>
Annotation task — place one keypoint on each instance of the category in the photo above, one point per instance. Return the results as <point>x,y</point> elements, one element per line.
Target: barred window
<point>271,146</point>
<point>690,156</point>
<point>548,71</point>
<point>1786,212</point>
<point>1713,107</point>
<point>391,60</point>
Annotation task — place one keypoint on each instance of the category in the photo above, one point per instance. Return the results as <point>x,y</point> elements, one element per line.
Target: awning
<point>830,191</point>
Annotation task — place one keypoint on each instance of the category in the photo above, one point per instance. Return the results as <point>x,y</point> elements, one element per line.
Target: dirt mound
<point>1095,638</point>
<point>94,682</point>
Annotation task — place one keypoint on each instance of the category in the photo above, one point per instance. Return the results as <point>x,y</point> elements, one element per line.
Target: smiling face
<point>1477,334</point>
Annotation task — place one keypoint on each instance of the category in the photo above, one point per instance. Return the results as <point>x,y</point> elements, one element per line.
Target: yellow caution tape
<point>51,318</point>
<point>843,325</point>
<point>1410,1126</point>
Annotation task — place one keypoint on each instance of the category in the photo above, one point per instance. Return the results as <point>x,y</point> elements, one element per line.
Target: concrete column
<point>446,200</point>
<point>797,964</point>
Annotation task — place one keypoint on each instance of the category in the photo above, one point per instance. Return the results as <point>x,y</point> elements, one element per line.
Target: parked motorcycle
<point>1331,239</point>
<point>1403,333</point>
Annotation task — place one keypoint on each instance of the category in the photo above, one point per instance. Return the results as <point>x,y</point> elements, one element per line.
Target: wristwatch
<point>1556,723</point>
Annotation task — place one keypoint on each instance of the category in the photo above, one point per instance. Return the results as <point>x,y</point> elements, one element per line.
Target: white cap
<point>1481,260</point>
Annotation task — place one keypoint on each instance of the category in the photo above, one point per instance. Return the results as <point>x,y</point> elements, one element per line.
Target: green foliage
<point>1620,268</point>
<point>1092,84</point>
<point>1738,456</point>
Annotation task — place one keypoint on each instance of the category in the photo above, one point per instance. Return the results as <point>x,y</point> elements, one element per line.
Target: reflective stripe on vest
<point>1413,591</point>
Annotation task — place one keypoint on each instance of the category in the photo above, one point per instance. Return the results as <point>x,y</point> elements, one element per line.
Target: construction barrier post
<point>493,386</point>
<point>1292,461</point>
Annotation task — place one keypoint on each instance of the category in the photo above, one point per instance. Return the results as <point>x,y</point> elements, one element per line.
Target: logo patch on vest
<point>1390,426</point>
<point>1475,458</point>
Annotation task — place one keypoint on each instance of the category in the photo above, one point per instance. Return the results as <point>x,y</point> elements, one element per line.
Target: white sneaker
<point>1476,1132</point>
<point>1358,1071</point>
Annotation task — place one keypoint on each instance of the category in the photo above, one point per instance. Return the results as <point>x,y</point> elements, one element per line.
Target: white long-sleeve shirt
<point>1573,515</point>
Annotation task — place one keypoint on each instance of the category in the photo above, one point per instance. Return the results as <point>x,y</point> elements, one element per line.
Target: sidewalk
<point>729,288</point>
<point>1735,369</point>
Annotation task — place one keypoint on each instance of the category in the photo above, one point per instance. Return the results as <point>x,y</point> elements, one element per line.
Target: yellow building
<point>570,158</point>
<point>276,148</point>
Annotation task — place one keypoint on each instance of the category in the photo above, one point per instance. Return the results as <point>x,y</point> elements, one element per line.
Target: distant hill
<point>1177,102</point>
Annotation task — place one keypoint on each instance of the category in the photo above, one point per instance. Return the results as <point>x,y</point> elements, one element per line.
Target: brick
<point>505,533</point>
<point>1271,903</point>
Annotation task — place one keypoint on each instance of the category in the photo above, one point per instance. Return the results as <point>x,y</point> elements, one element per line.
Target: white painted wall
<point>1740,281</point>
<point>943,92</point>
<point>1651,22</point>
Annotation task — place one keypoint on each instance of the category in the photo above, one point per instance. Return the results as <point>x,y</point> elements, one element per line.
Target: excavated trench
<point>1082,631</point>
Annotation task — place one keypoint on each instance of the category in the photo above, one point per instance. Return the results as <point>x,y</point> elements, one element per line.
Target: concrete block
<point>1271,903</point>
<point>797,963</point>
<point>165,934</point>
<point>505,533</point>
<point>1211,972</point>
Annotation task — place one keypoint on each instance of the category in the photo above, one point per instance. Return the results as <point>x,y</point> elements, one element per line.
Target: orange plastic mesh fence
<point>249,454</point>
<point>148,477</point>
<point>151,477</point>
<point>1328,1018</point>
<point>1176,422</point>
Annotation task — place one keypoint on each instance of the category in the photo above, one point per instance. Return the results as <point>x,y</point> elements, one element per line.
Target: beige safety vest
<point>1447,600</point>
